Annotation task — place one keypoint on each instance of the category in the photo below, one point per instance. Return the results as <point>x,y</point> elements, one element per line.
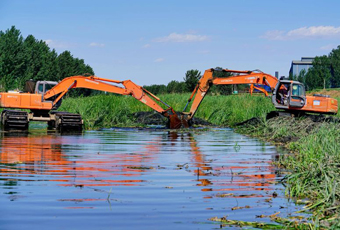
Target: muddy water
<point>137,179</point>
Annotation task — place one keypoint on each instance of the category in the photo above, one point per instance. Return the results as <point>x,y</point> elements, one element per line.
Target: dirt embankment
<point>331,93</point>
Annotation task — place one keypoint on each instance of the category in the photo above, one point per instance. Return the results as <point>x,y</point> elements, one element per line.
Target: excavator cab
<point>42,87</point>
<point>288,94</point>
<point>39,87</point>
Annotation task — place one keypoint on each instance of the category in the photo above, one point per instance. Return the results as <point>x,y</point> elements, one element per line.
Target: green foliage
<point>176,87</point>
<point>27,58</point>
<point>334,59</point>
<point>156,89</point>
<point>319,76</point>
<point>116,110</point>
<point>191,79</point>
<point>313,163</point>
<point>12,58</point>
<point>221,89</point>
<point>325,72</point>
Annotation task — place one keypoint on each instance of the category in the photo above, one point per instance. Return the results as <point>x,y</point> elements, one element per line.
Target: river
<point>137,179</point>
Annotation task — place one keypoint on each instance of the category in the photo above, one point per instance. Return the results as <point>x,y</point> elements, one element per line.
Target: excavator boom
<point>41,104</point>
<point>295,99</point>
<point>102,84</point>
<point>244,77</point>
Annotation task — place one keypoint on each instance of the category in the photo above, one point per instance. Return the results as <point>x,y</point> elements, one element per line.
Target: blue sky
<point>154,42</point>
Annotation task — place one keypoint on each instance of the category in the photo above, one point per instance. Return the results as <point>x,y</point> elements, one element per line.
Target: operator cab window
<point>298,90</point>
<point>40,88</point>
<point>283,94</point>
<point>298,97</point>
<point>48,87</point>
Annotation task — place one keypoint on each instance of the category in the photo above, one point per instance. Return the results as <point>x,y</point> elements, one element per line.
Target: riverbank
<point>314,162</point>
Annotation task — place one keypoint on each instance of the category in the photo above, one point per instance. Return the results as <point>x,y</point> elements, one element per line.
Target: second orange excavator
<point>42,97</point>
<point>286,94</point>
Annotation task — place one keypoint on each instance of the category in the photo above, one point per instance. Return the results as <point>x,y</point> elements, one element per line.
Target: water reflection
<point>237,174</point>
<point>50,155</point>
<point>154,172</point>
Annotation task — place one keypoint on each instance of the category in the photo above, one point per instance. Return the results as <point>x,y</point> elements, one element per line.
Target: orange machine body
<point>31,101</point>
<point>301,102</point>
<point>318,104</point>
<point>44,102</point>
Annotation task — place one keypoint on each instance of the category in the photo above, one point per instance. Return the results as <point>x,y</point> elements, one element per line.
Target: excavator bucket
<point>176,121</point>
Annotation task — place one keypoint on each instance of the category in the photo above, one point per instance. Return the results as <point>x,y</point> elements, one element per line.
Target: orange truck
<point>286,94</point>
<point>42,98</point>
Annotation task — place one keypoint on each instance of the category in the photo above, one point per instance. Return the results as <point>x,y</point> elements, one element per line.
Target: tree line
<point>325,72</point>
<point>189,83</point>
<point>22,59</point>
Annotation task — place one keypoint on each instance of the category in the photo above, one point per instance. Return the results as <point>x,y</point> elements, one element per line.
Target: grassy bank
<point>314,162</point>
<point>117,111</point>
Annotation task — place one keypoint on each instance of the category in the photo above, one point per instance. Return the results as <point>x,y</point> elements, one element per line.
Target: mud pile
<point>152,118</point>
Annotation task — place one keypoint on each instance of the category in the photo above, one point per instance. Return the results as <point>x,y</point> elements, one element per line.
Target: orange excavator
<point>42,97</point>
<point>286,94</point>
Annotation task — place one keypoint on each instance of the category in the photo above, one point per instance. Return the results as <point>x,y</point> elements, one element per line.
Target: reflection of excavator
<point>211,175</point>
<point>42,97</point>
<point>45,155</point>
<point>286,94</point>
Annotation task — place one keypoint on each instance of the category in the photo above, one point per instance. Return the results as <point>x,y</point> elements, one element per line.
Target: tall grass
<point>314,162</point>
<point>115,110</point>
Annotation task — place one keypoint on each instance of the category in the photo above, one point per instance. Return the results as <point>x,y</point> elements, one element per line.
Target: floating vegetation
<point>140,167</point>
<point>280,223</point>
<point>238,207</point>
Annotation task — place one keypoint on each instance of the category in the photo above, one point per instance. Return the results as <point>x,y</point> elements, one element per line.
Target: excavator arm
<point>243,77</point>
<point>107,85</point>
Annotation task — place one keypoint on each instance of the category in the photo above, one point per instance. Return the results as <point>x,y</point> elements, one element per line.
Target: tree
<point>302,76</point>
<point>12,59</point>
<point>156,89</point>
<point>319,76</point>
<point>176,87</point>
<point>191,79</point>
<point>334,62</point>
<point>23,59</point>
<point>222,89</point>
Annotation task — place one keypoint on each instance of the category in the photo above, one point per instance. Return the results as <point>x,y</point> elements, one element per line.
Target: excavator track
<point>14,120</point>
<point>65,121</point>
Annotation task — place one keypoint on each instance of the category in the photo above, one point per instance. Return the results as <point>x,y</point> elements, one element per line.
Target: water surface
<point>137,179</point>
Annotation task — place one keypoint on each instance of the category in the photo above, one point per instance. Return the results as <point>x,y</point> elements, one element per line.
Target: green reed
<point>115,110</point>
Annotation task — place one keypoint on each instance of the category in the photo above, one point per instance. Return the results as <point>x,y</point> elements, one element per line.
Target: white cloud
<point>303,33</point>
<point>95,44</point>
<point>146,46</point>
<point>175,37</point>
<point>58,44</point>
<point>159,60</point>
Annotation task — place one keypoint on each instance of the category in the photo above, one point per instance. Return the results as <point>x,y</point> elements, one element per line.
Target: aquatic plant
<point>115,110</point>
